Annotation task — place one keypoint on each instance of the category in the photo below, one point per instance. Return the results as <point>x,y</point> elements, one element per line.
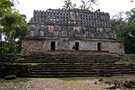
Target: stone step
<point>77,59</point>
<point>66,69</point>
<point>77,73</point>
<point>65,57</point>
<point>64,73</point>
<point>81,70</point>
<point>83,65</point>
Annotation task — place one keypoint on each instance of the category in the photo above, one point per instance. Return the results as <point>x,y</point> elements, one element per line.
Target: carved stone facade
<point>70,30</point>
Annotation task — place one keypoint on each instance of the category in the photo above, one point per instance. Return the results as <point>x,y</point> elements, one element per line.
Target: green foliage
<point>5,48</point>
<point>120,28</point>
<point>13,25</point>
<point>129,39</point>
<point>5,6</point>
<point>69,5</point>
<point>125,30</point>
<point>127,59</point>
<point>10,77</point>
<point>87,4</point>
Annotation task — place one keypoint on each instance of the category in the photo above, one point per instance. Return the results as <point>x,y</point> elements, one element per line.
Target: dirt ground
<point>76,83</point>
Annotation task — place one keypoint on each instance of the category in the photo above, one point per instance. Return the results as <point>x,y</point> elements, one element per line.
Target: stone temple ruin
<point>70,43</point>
<point>70,30</point>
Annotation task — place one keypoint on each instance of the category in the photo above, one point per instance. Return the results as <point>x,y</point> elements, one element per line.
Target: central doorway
<point>77,46</point>
<point>53,46</point>
<point>99,46</point>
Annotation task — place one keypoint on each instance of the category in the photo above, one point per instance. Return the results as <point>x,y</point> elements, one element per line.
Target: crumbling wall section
<point>34,46</point>
<point>113,47</point>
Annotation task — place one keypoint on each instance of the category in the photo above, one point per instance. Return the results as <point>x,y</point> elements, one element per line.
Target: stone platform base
<point>67,64</point>
<point>70,57</point>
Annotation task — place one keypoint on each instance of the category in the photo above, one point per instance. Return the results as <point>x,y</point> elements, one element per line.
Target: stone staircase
<point>70,57</point>
<point>79,70</point>
<point>71,64</point>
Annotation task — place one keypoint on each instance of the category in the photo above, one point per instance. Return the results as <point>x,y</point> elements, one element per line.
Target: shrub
<point>10,77</point>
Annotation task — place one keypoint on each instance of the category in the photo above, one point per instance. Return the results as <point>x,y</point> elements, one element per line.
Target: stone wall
<point>35,46</point>
<point>113,47</point>
<point>30,46</point>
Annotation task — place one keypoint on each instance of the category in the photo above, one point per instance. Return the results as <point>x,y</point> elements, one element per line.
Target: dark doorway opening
<point>76,45</point>
<point>53,46</point>
<point>99,46</point>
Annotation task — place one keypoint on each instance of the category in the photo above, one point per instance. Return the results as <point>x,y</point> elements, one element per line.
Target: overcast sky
<point>112,6</point>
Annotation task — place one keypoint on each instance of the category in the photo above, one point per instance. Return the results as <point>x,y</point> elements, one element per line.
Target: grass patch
<point>127,59</point>
<point>17,80</point>
<point>10,77</point>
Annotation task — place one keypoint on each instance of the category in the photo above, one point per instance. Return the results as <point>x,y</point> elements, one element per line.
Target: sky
<point>111,6</point>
